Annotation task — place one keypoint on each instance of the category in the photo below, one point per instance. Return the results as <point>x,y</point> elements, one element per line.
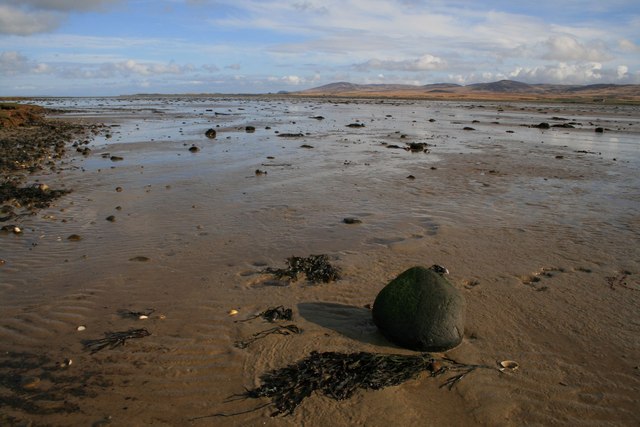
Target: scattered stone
<point>116,158</point>
<point>119,189</point>
<point>194,149</point>
<point>250,129</point>
<point>210,133</point>
<point>290,135</point>
<point>306,146</point>
<point>74,238</point>
<point>599,130</point>
<point>355,125</point>
<point>111,218</point>
<point>542,125</point>
<point>411,177</point>
<point>139,259</point>
<point>420,310</point>
<point>352,221</point>
<point>260,172</point>
<point>468,128</point>
<point>318,117</point>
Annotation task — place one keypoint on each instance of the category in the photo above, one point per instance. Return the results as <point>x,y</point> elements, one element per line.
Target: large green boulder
<point>420,310</point>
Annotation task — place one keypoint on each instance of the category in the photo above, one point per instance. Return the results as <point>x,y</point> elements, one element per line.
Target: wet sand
<point>539,229</point>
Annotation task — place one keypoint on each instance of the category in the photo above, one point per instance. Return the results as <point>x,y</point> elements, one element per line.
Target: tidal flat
<point>538,226</point>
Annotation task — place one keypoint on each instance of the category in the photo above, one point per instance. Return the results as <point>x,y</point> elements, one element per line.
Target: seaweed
<point>317,268</point>
<point>340,375</point>
<point>272,314</point>
<point>114,339</point>
<point>281,330</point>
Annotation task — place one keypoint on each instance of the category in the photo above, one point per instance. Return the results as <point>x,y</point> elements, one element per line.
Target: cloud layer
<point>263,45</point>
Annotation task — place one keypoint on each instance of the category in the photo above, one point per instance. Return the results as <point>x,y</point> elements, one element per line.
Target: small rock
<point>119,189</point>
<point>306,146</point>
<point>542,125</point>
<point>352,221</point>
<point>116,158</point>
<point>139,259</point>
<point>468,128</point>
<point>194,149</point>
<point>260,172</point>
<point>599,130</point>
<point>74,238</point>
<point>355,125</point>
<point>411,177</point>
<point>111,218</point>
<point>250,129</point>
<point>210,133</point>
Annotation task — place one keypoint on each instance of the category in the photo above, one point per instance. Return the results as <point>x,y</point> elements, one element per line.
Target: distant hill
<point>500,90</point>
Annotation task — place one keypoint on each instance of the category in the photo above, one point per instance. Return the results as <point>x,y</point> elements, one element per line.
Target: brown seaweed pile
<point>340,375</point>
<point>316,268</point>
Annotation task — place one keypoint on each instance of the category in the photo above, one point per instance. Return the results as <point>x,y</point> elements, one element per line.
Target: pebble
<point>111,218</point>
<point>29,383</point>
<point>139,259</point>
<point>74,238</point>
<point>81,328</point>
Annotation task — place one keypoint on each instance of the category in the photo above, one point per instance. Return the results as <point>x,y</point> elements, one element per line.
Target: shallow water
<point>534,226</point>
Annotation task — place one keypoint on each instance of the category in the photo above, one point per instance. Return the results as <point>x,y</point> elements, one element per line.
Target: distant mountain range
<point>500,90</point>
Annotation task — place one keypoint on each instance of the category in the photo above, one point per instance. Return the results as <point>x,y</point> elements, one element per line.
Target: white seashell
<point>508,365</point>
<point>233,312</point>
<point>81,328</point>
<point>143,317</point>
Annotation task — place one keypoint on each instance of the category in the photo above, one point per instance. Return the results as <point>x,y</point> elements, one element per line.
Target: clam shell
<point>508,365</point>
<point>233,312</point>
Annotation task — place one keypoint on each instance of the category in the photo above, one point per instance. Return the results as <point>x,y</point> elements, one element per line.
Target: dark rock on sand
<point>355,125</point>
<point>599,130</point>
<point>116,158</point>
<point>468,128</point>
<point>542,125</point>
<point>290,135</point>
<point>111,218</point>
<point>420,310</point>
<point>194,149</point>
<point>210,133</point>
<point>352,221</point>
<point>74,238</point>
<point>250,129</point>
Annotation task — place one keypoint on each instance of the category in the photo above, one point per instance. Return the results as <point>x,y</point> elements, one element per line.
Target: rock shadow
<point>353,322</point>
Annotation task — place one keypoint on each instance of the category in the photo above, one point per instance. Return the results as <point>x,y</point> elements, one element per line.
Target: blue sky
<point>112,47</point>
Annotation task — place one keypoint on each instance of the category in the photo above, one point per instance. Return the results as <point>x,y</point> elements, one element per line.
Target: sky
<point>118,47</point>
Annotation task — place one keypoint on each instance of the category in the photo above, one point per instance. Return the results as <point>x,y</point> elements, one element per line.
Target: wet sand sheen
<point>530,228</point>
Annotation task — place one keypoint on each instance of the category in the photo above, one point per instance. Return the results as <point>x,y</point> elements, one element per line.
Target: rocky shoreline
<point>32,145</point>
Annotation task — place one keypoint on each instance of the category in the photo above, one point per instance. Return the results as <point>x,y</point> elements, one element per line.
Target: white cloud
<point>423,63</point>
<point>293,80</point>
<point>41,16</point>
<point>21,22</point>
<point>622,71</point>
<point>628,45</point>
<point>66,5</point>
<point>568,48</point>
<point>564,73</point>
<point>12,62</point>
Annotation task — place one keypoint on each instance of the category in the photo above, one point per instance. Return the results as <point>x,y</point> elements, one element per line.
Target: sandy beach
<point>539,228</point>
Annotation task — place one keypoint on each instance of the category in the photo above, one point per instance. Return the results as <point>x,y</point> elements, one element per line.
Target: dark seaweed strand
<point>281,330</point>
<point>273,314</point>
<point>114,339</point>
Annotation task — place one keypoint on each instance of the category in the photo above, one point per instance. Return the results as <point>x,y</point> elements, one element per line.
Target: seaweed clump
<point>317,268</point>
<point>340,375</point>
